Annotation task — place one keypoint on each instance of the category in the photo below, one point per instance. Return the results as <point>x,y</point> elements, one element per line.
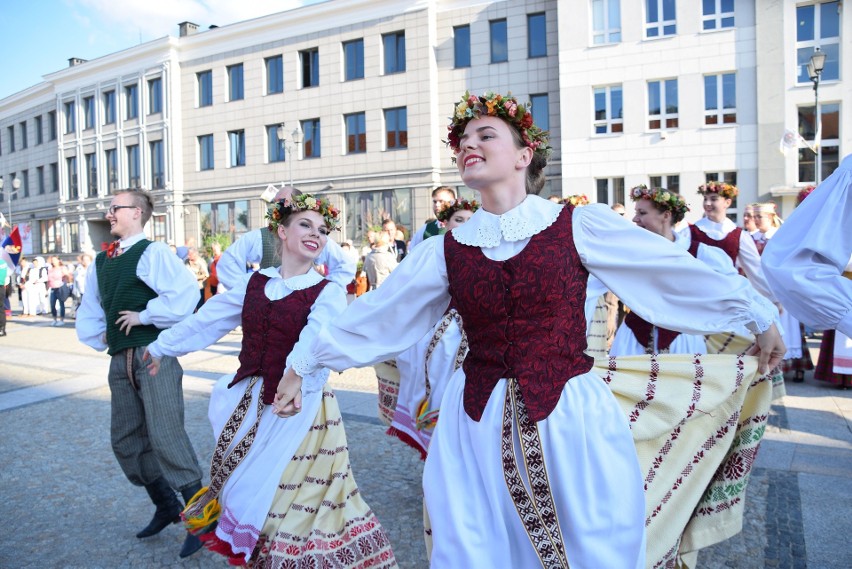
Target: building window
<point>499,41</point>
<point>38,130</point>
<point>818,26</point>
<point>133,179</point>
<point>730,178</point>
<point>274,74</point>
<point>40,179</point>
<point>24,138</point>
<point>461,46</point>
<point>50,238</point>
<point>51,125</point>
<point>662,104</point>
<point>25,183</point>
<point>312,146</point>
<point>537,35</point>
<point>310,67</point>
<point>74,234</point>
<point>71,168</point>
<point>540,109</point>
<point>237,143</point>
<point>394,48</point>
<point>54,177</point>
<point>155,96</point>
<point>109,107</point>
<point>606,21</point>
<point>111,159</point>
<point>356,133</point>
<point>660,18</point>
<point>229,218</point>
<point>235,82</point>
<point>88,113</point>
<point>720,99</point>
<point>717,14</point>
<point>829,141</point>
<point>610,190</point>
<point>396,128</point>
<point>70,118</point>
<point>131,98</point>
<point>670,182</point>
<point>158,169</point>
<point>276,149</point>
<point>11,131</point>
<point>91,175</point>
<point>353,56</point>
<point>608,110</point>
<point>366,209</point>
<point>205,152</point>
<point>205,88</point>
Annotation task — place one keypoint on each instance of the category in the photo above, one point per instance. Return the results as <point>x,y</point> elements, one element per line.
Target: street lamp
<point>296,137</point>
<point>16,185</point>
<point>815,66</point>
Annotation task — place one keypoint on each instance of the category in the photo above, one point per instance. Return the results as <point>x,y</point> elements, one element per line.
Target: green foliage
<point>223,239</point>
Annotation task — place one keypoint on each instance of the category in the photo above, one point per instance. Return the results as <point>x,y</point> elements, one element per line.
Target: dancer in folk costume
<point>809,265</point>
<point>533,461</point>
<point>426,367</point>
<point>658,211</point>
<point>798,357</point>
<point>281,489</point>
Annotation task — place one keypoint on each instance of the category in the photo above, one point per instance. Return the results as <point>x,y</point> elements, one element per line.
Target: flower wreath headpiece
<point>803,193</point>
<point>663,199</point>
<point>724,189</point>
<point>448,210</point>
<point>576,200</point>
<point>494,105</point>
<point>291,204</point>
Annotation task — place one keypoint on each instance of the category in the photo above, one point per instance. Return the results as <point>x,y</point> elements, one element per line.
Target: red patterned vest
<point>730,244</point>
<point>270,330</point>
<point>523,317</point>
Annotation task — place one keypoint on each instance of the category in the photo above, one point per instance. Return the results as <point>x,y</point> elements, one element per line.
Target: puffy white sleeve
<point>328,306</point>
<point>176,287</point>
<point>417,238</point>
<point>806,257</point>
<point>341,267</point>
<point>382,323</point>
<point>90,320</point>
<point>231,268</point>
<point>218,316</point>
<point>664,284</point>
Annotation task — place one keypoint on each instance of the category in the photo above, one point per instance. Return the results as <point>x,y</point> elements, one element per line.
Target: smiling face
<point>715,206</point>
<point>458,218</point>
<point>124,216</point>
<point>489,154</point>
<point>303,235</point>
<point>649,217</point>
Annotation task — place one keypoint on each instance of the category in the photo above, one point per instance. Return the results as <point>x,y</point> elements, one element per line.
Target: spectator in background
<point>442,196</point>
<point>57,276</point>
<point>213,279</point>
<point>396,246</point>
<point>79,276</point>
<point>380,262</point>
<point>198,268</point>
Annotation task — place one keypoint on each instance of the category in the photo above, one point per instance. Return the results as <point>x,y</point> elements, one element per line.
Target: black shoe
<point>191,544</point>
<point>168,507</point>
<point>799,377</point>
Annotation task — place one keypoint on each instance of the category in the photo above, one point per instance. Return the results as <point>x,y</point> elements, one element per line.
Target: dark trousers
<point>3,301</point>
<point>55,298</point>
<point>148,435</point>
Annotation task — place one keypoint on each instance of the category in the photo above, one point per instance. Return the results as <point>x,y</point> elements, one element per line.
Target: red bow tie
<point>114,249</point>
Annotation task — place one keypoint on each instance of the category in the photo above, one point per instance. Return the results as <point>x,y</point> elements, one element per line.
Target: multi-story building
<point>351,98</point>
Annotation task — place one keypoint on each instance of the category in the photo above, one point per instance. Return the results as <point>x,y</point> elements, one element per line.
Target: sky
<point>39,36</point>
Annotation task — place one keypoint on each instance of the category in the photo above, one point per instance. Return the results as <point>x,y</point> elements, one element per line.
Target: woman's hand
<point>769,349</point>
<point>288,396</point>
<point>154,366</point>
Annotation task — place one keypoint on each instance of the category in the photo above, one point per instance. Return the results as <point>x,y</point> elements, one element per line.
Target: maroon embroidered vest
<point>643,330</point>
<point>730,244</point>
<point>270,330</point>
<point>523,317</point>
<point>760,244</point>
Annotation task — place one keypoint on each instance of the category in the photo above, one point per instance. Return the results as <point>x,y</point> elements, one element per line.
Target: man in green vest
<point>134,290</point>
<point>441,196</point>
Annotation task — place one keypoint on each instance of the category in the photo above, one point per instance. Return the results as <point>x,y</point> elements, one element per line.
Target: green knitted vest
<point>121,289</point>
<point>270,257</point>
<point>431,230</point>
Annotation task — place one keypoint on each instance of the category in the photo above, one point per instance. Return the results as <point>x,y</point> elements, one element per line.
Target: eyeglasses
<point>113,208</point>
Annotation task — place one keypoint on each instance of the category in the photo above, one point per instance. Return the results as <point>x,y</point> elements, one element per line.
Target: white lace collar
<point>724,226</point>
<point>530,217</point>
<point>299,282</point>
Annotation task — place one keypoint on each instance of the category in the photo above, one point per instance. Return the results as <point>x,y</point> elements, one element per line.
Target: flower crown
<point>507,108</point>
<point>280,209</point>
<point>724,189</point>
<point>803,193</point>
<point>448,210</point>
<point>576,200</point>
<point>662,199</point>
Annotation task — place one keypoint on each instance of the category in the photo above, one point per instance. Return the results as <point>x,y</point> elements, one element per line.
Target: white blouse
<point>223,312</point>
<point>664,284</point>
<point>806,257</point>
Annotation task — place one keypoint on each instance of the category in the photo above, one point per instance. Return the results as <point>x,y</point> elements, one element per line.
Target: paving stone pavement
<point>67,504</point>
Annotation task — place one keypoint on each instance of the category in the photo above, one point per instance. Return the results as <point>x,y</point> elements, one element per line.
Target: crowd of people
<point>537,453</point>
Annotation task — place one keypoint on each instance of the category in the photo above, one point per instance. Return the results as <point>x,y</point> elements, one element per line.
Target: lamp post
<point>16,185</point>
<point>296,137</point>
<point>815,66</point>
